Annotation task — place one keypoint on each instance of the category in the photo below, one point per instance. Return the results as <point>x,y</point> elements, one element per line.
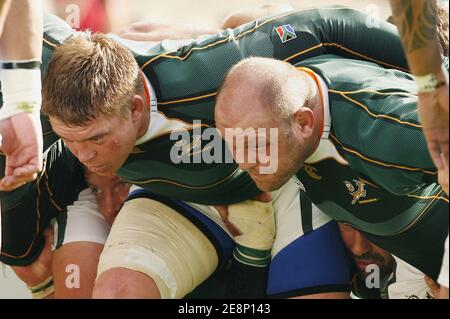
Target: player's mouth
<point>98,168</point>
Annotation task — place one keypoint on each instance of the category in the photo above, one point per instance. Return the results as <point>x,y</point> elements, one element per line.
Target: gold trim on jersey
<point>185,186</point>
<point>369,90</point>
<point>365,108</point>
<point>406,168</point>
<point>422,213</point>
<point>364,56</point>
<point>51,194</point>
<point>430,197</point>
<point>188,100</point>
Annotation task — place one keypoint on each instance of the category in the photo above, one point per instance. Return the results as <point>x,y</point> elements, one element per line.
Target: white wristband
<point>21,90</point>
<point>430,82</point>
<point>43,290</point>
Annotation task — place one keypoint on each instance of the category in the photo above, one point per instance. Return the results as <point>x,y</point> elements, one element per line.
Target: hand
<point>224,213</point>
<point>256,223</point>
<point>22,145</point>
<point>443,176</point>
<point>434,286</point>
<point>434,111</point>
<point>252,224</point>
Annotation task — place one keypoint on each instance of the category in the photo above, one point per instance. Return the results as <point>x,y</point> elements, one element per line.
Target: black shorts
<point>27,211</point>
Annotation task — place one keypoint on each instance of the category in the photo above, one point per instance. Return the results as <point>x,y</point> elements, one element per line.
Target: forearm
<point>159,31</point>
<point>247,15</point>
<point>25,18</point>
<point>416,21</point>
<point>4,6</point>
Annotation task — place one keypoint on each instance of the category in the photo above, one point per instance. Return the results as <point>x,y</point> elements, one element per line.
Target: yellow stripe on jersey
<point>182,185</point>
<point>364,158</point>
<point>365,108</point>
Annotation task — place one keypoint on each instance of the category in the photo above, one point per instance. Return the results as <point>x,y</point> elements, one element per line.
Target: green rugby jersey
<point>374,171</point>
<point>186,79</point>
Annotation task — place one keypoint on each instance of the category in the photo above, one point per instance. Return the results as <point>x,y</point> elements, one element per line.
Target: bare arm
<point>25,17</point>
<point>416,21</point>
<point>159,31</point>
<point>20,128</point>
<point>4,7</point>
<point>243,16</point>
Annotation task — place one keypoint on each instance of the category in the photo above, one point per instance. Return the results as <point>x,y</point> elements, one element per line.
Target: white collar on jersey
<point>326,108</point>
<point>153,111</point>
<point>325,149</point>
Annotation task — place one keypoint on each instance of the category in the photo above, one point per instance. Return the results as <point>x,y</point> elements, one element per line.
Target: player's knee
<point>122,283</point>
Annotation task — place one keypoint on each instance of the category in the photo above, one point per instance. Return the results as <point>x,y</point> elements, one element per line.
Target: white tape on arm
<point>21,90</point>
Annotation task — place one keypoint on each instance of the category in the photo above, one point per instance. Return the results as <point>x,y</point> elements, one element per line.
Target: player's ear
<point>137,108</point>
<point>304,122</point>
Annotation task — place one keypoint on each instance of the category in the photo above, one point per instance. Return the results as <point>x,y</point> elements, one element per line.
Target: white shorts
<point>82,222</point>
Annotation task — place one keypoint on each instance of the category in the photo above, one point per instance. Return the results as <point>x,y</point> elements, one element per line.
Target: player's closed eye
<point>97,140</point>
<point>96,191</point>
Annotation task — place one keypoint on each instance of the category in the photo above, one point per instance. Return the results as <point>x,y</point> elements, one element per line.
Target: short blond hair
<point>90,75</point>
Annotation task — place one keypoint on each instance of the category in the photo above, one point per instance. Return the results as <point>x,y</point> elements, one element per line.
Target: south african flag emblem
<point>286,33</point>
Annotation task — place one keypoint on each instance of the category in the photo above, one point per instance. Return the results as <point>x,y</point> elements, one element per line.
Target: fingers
<point>439,152</point>
<point>430,282</point>
<point>223,211</point>
<point>27,171</point>
<point>444,155</point>
<point>435,153</point>
<point>13,181</point>
<point>443,176</point>
<point>10,183</point>
<point>434,286</point>
<point>17,177</point>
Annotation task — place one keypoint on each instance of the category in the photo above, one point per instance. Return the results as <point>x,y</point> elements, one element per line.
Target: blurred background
<point>114,15</point>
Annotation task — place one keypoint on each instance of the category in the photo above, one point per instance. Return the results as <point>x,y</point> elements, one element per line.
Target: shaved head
<point>265,87</point>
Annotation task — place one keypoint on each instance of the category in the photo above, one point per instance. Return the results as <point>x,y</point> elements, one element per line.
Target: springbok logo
<point>357,192</point>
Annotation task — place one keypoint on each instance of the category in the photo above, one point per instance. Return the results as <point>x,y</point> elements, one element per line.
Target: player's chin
<point>266,183</point>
